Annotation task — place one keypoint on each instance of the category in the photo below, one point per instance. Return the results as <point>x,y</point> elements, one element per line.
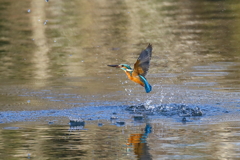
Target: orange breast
<point>135,79</point>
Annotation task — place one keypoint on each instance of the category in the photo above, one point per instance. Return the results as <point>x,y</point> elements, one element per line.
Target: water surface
<point>53,71</point>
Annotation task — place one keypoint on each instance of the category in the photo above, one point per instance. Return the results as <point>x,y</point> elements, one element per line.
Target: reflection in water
<point>57,142</point>
<point>195,61</point>
<point>139,143</point>
<point>198,141</point>
<point>163,141</point>
<point>40,55</point>
<point>80,38</point>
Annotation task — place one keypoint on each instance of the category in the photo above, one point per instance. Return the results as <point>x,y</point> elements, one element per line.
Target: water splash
<point>45,22</point>
<point>129,91</point>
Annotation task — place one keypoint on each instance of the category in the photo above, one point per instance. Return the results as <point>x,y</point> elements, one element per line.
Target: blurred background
<point>54,56</point>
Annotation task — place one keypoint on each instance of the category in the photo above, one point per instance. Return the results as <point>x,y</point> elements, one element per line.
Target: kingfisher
<point>140,70</point>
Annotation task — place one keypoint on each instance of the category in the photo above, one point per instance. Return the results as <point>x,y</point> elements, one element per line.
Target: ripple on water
<point>120,113</point>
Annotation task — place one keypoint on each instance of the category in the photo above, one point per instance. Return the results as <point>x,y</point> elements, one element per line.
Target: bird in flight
<point>138,73</point>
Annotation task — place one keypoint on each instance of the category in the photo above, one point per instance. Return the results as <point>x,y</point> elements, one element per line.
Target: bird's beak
<point>117,66</point>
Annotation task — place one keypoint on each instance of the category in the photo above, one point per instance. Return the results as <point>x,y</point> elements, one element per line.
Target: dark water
<point>59,100</point>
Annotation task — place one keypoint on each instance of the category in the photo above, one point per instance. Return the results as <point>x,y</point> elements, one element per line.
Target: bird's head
<point>124,67</point>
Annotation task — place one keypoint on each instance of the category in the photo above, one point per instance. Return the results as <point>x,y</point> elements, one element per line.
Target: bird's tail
<point>147,86</point>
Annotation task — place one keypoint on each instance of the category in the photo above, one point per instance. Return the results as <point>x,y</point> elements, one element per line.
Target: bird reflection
<point>139,143</point>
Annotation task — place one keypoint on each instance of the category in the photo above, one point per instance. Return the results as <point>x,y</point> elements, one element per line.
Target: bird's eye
<point>122,65</point>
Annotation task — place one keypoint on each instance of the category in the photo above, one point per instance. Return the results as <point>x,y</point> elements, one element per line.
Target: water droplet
<point>47,0</point>
<point>29,155</point>
<point>45,22</point>
<point>113,117</point>
<point>28,101</point>
<point>29,10</point>
<point>54,41</point>
<point>148,102</point>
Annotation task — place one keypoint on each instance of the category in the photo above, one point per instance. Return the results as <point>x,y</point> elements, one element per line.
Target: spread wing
<point>142,65</point>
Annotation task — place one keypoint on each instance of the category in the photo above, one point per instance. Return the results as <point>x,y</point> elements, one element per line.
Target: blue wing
<point>143,62</point>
